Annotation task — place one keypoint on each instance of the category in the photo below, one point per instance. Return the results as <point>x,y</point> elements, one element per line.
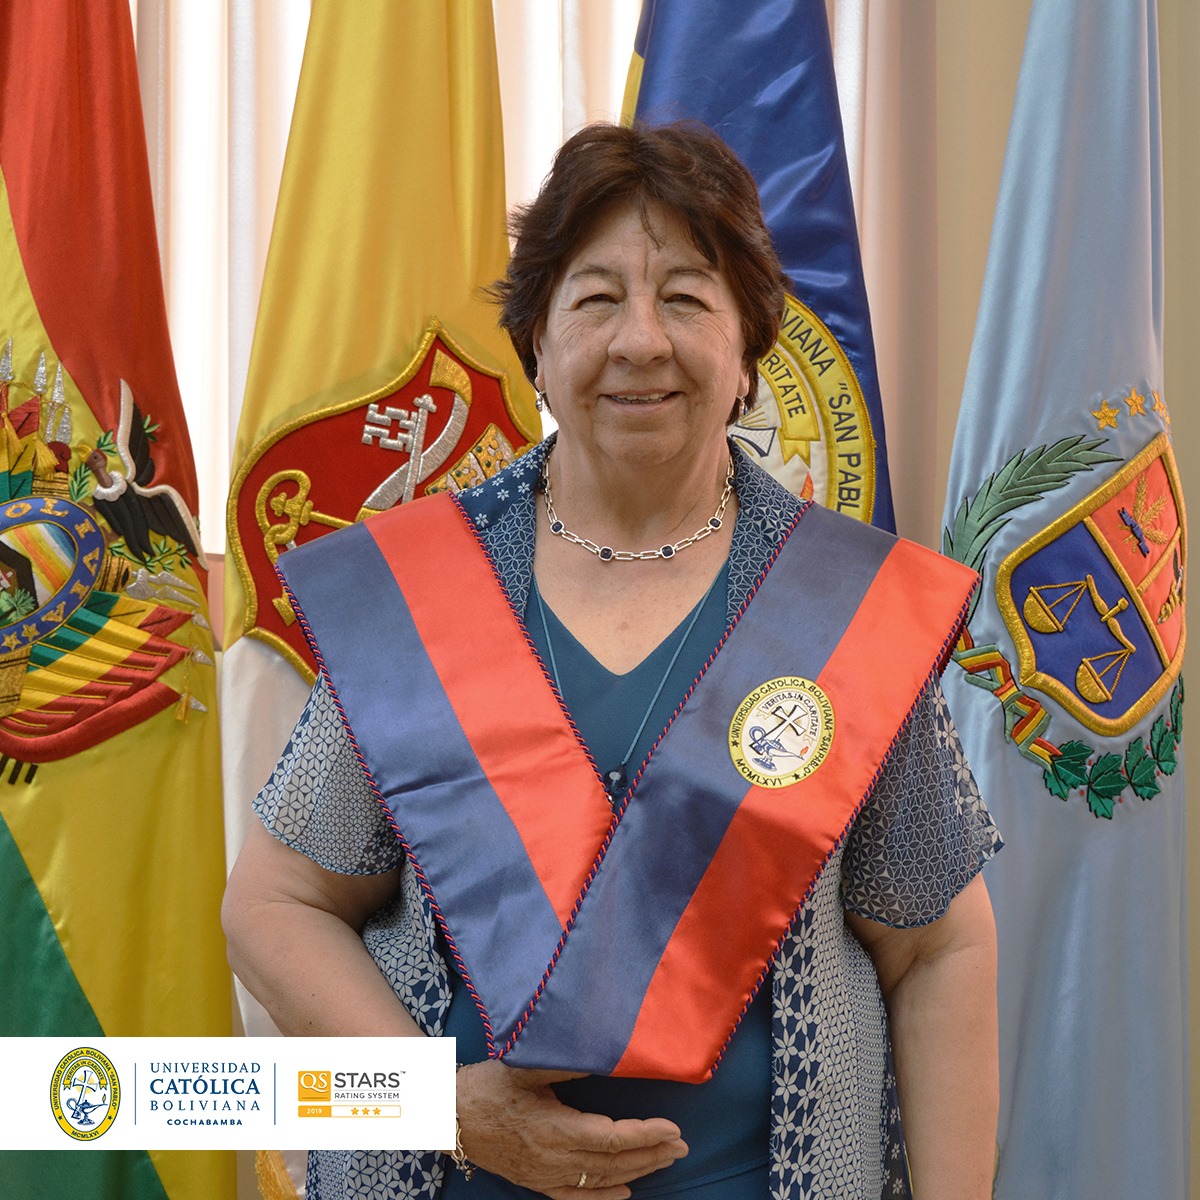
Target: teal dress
<point>726,1120</point>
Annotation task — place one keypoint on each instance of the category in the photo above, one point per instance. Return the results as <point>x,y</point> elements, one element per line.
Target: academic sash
<point>627,944</point>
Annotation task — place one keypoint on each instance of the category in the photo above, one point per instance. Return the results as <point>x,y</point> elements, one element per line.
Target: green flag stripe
<point>87,1175</point>
<point>51,1002</point>
<point>41,998</point>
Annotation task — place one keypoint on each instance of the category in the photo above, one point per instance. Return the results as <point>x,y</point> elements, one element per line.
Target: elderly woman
<point>675,836</point>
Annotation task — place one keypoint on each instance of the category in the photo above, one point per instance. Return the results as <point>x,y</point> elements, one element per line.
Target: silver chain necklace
<point>607,553</point>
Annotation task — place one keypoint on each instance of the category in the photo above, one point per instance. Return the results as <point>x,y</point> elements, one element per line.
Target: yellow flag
<point>377,372</point>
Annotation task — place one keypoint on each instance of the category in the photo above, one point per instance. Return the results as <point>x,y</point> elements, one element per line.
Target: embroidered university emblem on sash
<point>781,732</point>
<point>1094,602</point>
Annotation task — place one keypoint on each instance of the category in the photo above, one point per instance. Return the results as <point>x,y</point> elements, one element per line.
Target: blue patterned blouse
<point>922,835</point>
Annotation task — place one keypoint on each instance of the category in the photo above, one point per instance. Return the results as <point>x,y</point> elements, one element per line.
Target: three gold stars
<point>1106,415</point>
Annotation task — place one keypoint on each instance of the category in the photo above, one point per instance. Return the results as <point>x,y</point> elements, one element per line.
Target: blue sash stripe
<point>425,770</point>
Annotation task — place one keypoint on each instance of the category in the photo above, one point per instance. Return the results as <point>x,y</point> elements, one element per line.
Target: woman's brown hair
<point>685,169</point>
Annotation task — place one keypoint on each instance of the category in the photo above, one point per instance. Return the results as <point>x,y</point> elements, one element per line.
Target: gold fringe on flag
<point>274,1182</point>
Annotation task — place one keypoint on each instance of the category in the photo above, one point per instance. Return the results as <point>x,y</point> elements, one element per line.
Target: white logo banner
<point>252,1093</point>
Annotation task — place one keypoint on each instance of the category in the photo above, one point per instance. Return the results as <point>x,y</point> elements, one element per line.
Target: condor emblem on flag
<point>444,424</point>
<point>1094,603</point>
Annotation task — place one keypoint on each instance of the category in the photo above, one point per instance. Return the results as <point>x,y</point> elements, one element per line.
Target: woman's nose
<point>640,335</point>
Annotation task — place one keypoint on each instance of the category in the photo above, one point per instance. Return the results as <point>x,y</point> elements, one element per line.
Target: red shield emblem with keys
<point>445,424</point>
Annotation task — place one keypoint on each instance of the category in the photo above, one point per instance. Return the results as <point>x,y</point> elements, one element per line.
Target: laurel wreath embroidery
<point>1105,777</point>
<point>1026,477</point>
<point>1102,778</point>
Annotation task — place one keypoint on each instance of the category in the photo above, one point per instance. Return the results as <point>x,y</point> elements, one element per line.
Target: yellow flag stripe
<point>633,85</point>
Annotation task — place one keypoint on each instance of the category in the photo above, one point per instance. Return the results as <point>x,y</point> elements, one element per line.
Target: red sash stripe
<point>546,784</point>
<point>809,818</point>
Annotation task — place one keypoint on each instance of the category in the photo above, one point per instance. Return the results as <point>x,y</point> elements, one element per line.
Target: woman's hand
<point>513,1125</point>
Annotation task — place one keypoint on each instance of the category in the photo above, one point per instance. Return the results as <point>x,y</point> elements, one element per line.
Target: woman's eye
<point>685,300</point>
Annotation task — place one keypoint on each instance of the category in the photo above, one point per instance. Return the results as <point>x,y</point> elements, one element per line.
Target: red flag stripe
<point>88,155</point>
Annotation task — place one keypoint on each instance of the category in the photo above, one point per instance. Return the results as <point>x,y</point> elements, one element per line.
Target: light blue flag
<point>1063,493</point>
<point>760,73</point>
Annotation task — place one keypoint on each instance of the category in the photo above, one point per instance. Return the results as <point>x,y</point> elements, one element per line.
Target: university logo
<point>1094,602</point>
<point>444,424</point>
<point>781,732</point>
<point>811,428</point>
<point>85,1094</point>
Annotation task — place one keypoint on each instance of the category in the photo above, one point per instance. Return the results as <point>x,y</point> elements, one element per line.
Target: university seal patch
<point>85,1093</point>
<point>781,732</point>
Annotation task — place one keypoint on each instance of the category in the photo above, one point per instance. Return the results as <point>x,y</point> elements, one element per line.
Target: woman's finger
<point>592,1131</point>
<point>616,1170</point>
<point>574,1193</point>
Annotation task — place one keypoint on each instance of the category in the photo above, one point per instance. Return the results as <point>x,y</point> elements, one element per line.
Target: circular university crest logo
<point>84,1093</point>
<point>781,732</point>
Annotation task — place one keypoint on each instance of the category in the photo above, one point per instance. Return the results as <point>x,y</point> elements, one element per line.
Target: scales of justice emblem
<point>1094,602</point>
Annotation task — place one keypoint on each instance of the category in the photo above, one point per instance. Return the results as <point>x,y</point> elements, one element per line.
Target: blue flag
<point>760,73</point>
<point>1063,492</point>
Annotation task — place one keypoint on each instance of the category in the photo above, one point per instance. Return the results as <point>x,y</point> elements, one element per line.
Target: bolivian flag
<point>111,849</point>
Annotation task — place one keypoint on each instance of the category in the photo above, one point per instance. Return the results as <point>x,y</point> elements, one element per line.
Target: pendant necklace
<point>616,781</point>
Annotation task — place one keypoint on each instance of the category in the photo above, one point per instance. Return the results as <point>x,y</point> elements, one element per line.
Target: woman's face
<point>641,353</point>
